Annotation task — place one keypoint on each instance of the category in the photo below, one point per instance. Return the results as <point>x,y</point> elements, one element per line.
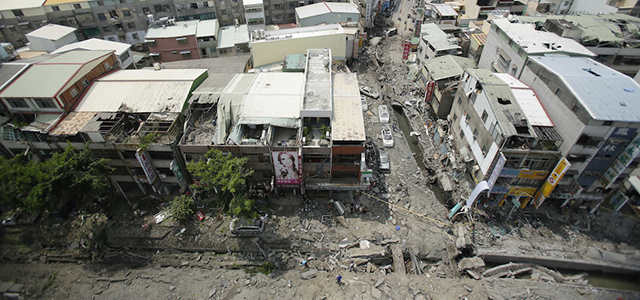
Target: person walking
<point>338,279</point>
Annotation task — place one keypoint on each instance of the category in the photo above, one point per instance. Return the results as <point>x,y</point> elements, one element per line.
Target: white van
<point>383,113</point>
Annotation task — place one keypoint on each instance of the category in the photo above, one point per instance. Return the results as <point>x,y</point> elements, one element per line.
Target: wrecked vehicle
<point>241,226</point>
<point>383,113</point>
<point>385,165</point>
<point>363,101</point>
<point>387,138</point>
<point>367,91</point>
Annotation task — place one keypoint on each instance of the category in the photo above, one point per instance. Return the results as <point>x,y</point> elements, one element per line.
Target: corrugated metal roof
<point>51,31</point>
<point>444,9</point>
<point>39,81</point>
<point>606,94</point>
<point>231,65</point>
<point>325,8</point>
<point>530,105</point>
<point>140,91</point>
<point>95,44</point>
<point>447,66</point>
<point>599,27</point>
<point>77,57</point>
<point>20,4</point>
<point>431,33</point>
<point>8,71</point>
<point>181,29</point>
<point>480,38</point>
<point>348,122</point>
<point>207,28</point>
<point>278,84</point>
<point>232,35</point>
<point>534,41</point>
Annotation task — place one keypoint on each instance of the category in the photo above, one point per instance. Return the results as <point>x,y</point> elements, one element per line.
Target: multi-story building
<point>234,40</point>
<point>596,111</point>
<point>207,37</point>
<point>20,17</point>
<point>442,13</point>
<point>312,119</point>
<point>189,10</point>
<point>440,77</point>
<point>254,14</point>
<point>274,45</point>
<point>171,41</point>
<point>504,134</point>
<point>510,46</point>
<point>122,50</point>
<point>611,37</point>
<point>434,42</point>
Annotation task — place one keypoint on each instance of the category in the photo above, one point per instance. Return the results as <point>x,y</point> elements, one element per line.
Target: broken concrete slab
<point>379,282</point>
<point>376,293</point>
<point>510,267</point>
<point>309,274</point>
<point>372,252</point>
<point>364,244</point>
<point>470,263</point>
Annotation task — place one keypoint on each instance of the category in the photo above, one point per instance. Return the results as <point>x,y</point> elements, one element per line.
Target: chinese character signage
<point>287,168</point>
<point>181,179</point>
<point>530,174</point>
<point>431,85</point>
<point>407,47</point>
<point>368,16</point>
<point>149,170</point>
<point>621,162</point>
<point>551,182</point>
<point>606,155</point>
<point>417,29</point>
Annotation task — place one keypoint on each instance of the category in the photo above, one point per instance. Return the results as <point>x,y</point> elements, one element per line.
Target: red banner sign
<point>407,47</point>
<point>430,87</point>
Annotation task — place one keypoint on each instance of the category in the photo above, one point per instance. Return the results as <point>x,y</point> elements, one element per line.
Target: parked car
<point>384,161</point>
<point>387,137</point>
<point>383,113</point>
<point>391,32</point>
<point>241,226</point>
<point>367,91</point>
<point>363,101</point>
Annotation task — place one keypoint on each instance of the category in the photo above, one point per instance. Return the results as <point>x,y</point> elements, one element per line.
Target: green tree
<point>227,175</point>
<point>181,208</point>
<point>70,175</point>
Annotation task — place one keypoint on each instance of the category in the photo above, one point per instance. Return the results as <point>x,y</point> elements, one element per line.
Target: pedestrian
<point>351,267</point>
<point>338,279</point>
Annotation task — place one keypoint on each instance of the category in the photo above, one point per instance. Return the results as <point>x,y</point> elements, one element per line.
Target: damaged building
<point>299,130</point>
<point>504,135</point>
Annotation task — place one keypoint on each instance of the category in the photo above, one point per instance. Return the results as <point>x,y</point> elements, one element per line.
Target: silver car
<point>383,113</point>
<point>387,137</point>
<point>384,161</point>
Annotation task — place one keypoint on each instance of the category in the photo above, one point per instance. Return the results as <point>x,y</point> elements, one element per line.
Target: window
<point>607,123</point>
<point>135,36</point>
<point>475,133</point>
<point>25,27</point>
<point>85,82</point>
<point>183,7</point>
<point>18,12</point>
<point>459,100</point>
<point>102,17</point>
<point>558,92</point>
<point>17,103</point>
<point>461,134</point>
<point>157,8</point>
<point>484,116</point>
<point>575,108</point>
<point>100,3</point>
<point>131,25</point>
<point>182,41</point>
<point>455,117</point>
<point>126,13</point>
<point>77,6</point>
<point>151,43</point>
<point>73,92</point>
<point>73,21</point>
<point>55,8</point>
<point>166,8</point>
<point>84,18</point>
<point>146,10</point>
<point>123,1</point>
<point>106,28</point>
<point>203,51</point>
<point>174,52</point>
<point>45,103</point>
<point>194,5</point>
<point>111,39</point>
<point>113,14</point>
<point>186,54</point>
<point>106,65</point>
<point>205,4</point>
<point>13,29</point>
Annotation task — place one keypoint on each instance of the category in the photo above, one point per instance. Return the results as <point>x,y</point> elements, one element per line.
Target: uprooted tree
<point>40,186</point>
<point>226,176</point>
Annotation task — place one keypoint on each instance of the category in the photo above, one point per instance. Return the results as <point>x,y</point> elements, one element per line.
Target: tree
<point>70,175</point>
<point>181,208</point>
<point>225,174</point>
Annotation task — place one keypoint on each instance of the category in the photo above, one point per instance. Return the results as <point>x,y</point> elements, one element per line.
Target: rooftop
<point>207,28</point>
<point>37,82</point>
<point>52,32</point>
<point>300,32</point>
<point>8,71</point>
<point>348,121</point>
<point>443,9</point>
<point>322,8</point>
<point>448,66</point>
<point>232,35</point>
<point>137,91</point>
<point>56,2</point>
<point>273,96</point>
<point>480,38</point>
<point>95,44</point>
<point>528,101</point>
<point>606,94</point>
<point>534,41</point>
<point>317,91</point>
<point>229,64</point>
<point>251,2</point>
<point>181,29</point>
<point>20,4</point>
<point>431,33</point>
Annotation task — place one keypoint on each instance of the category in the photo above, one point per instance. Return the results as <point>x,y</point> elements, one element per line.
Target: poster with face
<point>286,167</point>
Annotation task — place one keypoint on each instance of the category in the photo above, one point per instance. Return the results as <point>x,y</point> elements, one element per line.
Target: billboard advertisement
<point>551,182</point>
<point>287,168</point>
<point>606,155</point>
<point>149,170</point>
<point>407,47</point>
<point>531,174</point>
<point>621,162</point>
